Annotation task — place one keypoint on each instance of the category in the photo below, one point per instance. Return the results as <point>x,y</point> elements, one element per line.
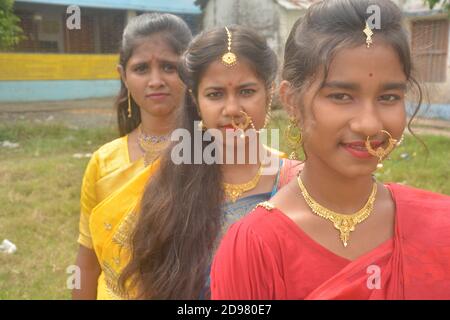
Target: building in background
<point>55,63</point>
<point>429,30</point>
<point>272,18</point>
<point>430,45</point>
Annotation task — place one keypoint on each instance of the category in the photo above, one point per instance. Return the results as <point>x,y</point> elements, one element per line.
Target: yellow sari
<point>111,224</point>
<point>108,170</point>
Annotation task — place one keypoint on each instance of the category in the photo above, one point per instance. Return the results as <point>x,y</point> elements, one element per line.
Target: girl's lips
<point>357,152</point>
<point>358,148</point>
<point>157,96</point>
<point>362,144</point>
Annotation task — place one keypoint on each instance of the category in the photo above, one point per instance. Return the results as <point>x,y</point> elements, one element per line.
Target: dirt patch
<point>73,113</point>
<point>100,112</point>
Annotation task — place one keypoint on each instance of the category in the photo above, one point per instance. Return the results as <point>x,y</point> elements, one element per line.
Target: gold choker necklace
<point>152,145</point>
<point>234,191</point>
<point>345,223</point>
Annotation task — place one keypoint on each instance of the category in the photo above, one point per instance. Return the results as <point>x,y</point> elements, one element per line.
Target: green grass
<point>40,189</point>
<point>421,169</point>
<point>39,196</point>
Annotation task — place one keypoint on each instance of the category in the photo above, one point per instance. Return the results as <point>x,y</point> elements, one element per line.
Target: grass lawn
<point>39,196</point>
<point>40,188</point>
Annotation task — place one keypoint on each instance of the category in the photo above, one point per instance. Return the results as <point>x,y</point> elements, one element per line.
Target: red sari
<point>267,256</point>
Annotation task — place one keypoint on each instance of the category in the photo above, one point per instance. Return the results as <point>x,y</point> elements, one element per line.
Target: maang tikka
<point>369,33</point>
<point>229,59</point>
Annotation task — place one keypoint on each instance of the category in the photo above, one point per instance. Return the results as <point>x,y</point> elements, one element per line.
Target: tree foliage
<point>10,32</point>
<point>433,3</point>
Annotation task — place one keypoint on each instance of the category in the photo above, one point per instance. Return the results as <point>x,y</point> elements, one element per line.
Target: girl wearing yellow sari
<point>161,240</point>
<point>150,93</point>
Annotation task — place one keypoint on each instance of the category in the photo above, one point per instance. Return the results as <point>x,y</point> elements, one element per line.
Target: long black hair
<point>181,216</point>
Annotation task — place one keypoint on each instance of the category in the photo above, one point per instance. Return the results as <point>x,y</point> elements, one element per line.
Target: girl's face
<point>225,91</point>
<point>151,77</point>
<point>363,94</point>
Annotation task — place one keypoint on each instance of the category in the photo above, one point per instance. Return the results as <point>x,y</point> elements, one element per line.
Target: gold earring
<point>269,107</point>
<point>201,126</point>
<point>293,139</point>
<point>129,104</point>
<point>381,153</point>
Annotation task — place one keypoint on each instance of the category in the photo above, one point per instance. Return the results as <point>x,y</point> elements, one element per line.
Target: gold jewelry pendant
<point>381,153</point>
<point>151,155</point>
<point>234,191</point>
<point>345,223</point>
<point>152,146</point>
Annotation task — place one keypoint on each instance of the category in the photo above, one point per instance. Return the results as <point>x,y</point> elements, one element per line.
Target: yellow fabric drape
<point>111,223</point>
<point>108,169</point>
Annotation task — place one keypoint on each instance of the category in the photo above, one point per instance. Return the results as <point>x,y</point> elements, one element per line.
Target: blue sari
<point>234,211</point>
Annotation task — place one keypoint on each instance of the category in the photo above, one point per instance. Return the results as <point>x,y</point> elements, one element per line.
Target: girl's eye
<point>214,95</point>
<point>247,92</point>
<point>167,67</point>
<point>389,98</point>
<point>341,97</point>
<point>141,68</point>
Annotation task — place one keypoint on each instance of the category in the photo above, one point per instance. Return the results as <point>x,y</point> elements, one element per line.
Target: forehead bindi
<point>361,63</point>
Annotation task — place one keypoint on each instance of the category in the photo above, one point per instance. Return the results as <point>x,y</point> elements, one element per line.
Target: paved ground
<point>100,112</point>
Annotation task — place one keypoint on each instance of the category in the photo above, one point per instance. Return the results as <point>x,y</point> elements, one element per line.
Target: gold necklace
<point>151,145</point>
<point>345,223</point>
<point>234,191</point>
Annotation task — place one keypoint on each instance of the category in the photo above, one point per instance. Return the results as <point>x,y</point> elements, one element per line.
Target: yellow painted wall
<point>30,66</point>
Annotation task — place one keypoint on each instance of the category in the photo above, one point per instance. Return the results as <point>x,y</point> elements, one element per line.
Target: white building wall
<point>261,15</point>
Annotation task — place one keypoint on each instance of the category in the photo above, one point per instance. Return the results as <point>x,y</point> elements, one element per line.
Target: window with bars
<point>429,47</point>
<point>101,31</point>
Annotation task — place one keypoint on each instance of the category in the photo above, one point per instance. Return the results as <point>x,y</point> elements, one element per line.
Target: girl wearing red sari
<point>335,232</point>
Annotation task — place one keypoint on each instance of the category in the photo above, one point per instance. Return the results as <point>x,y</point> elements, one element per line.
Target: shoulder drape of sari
<point>415,265</point>
<point>111,223</point>
<point>260,258</point>
<point>108,170</point>
<point>113,219</point>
